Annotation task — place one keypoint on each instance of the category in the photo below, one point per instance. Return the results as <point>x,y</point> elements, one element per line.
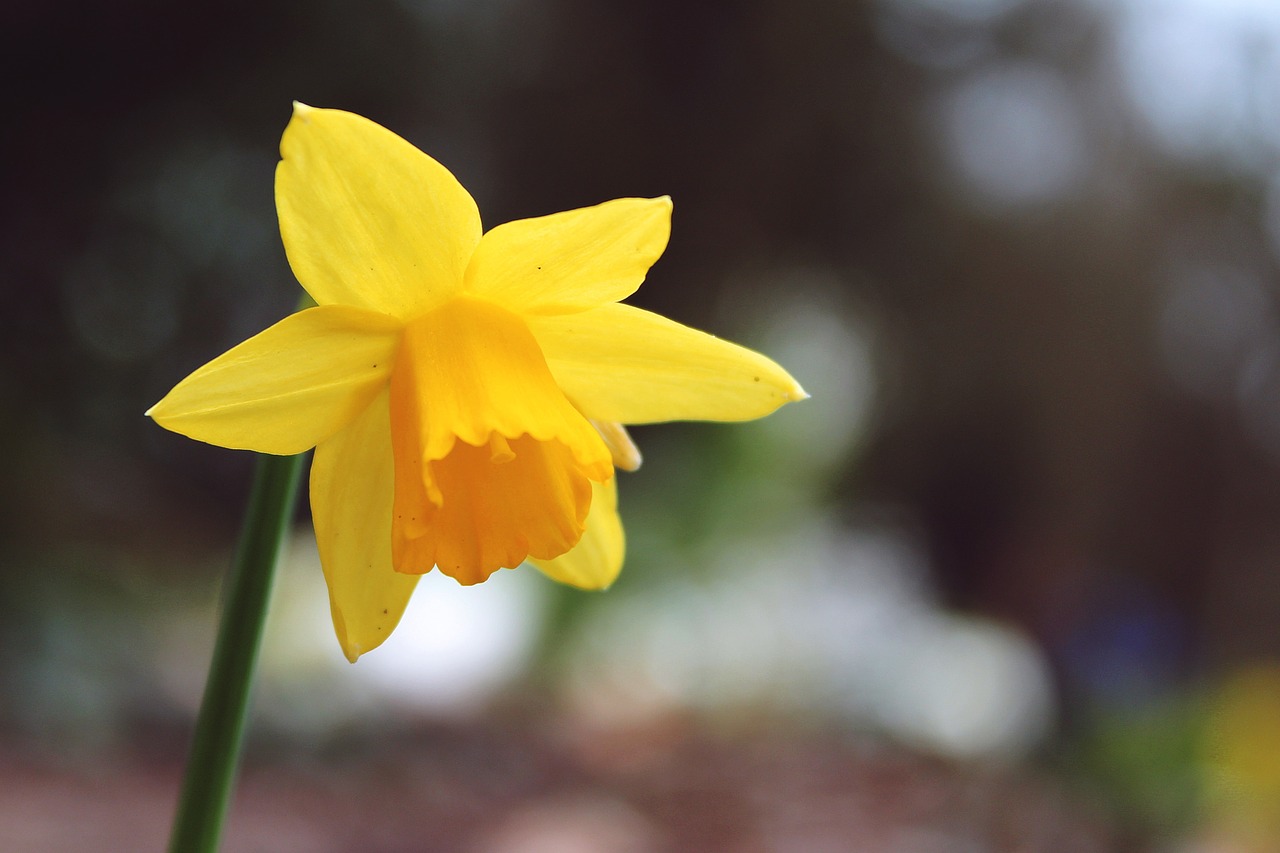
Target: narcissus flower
<point>464,390</point>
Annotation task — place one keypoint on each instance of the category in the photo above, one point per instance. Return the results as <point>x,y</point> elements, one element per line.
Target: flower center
<point>492,463</point>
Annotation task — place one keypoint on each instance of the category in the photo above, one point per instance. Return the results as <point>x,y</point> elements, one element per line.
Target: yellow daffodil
<point>464,390</point>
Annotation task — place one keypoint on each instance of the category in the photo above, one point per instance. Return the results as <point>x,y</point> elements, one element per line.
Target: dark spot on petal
<point>757,378</point>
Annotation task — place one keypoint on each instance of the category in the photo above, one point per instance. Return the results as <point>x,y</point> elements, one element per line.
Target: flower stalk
<point>215,750</point>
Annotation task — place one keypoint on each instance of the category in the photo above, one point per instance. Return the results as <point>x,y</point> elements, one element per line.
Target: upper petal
<point>620,363</point>
<point>351,490</point>
<point>572,260</point>
<point>367,219</point>
<point>289,387</point>
<point>594,563</point>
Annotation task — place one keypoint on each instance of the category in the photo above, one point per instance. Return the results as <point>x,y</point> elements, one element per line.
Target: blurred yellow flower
<point>464,391</point>
<point>1242,758</point>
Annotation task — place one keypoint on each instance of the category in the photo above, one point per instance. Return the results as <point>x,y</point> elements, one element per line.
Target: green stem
<point>215,749</point>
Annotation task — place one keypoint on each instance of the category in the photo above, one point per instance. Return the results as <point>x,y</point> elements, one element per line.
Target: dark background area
<point>1046,231</point>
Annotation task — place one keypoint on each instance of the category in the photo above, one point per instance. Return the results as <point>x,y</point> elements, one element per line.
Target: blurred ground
<point>530,786</point>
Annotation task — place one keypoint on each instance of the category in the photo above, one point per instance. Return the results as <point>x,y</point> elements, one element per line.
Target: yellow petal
<point>595,561</point>
<point>289,387</point>
<point>351,490</point>
<point>619,363</point>
<point>572,260</point>
<point>367,219</point>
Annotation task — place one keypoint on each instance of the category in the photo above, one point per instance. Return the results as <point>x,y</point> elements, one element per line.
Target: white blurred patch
<point>826,624</point>
<point>1013,135</point>
<point>830,352</point>
<point>1203,75</point>
<point>455,648</point>
<point>977,689</point>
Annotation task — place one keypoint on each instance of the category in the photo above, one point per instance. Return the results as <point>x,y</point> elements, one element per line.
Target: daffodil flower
<point>464,390</point>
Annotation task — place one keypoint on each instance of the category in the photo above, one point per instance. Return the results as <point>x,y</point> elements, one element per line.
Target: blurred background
<point>1006,582</point>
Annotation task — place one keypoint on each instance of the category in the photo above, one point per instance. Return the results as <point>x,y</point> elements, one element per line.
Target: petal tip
<point>301,110</point>
<point>662,207</point>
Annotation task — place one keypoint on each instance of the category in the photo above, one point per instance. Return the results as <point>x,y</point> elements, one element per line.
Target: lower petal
<point>351,496</point>
<point>594,563</point>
